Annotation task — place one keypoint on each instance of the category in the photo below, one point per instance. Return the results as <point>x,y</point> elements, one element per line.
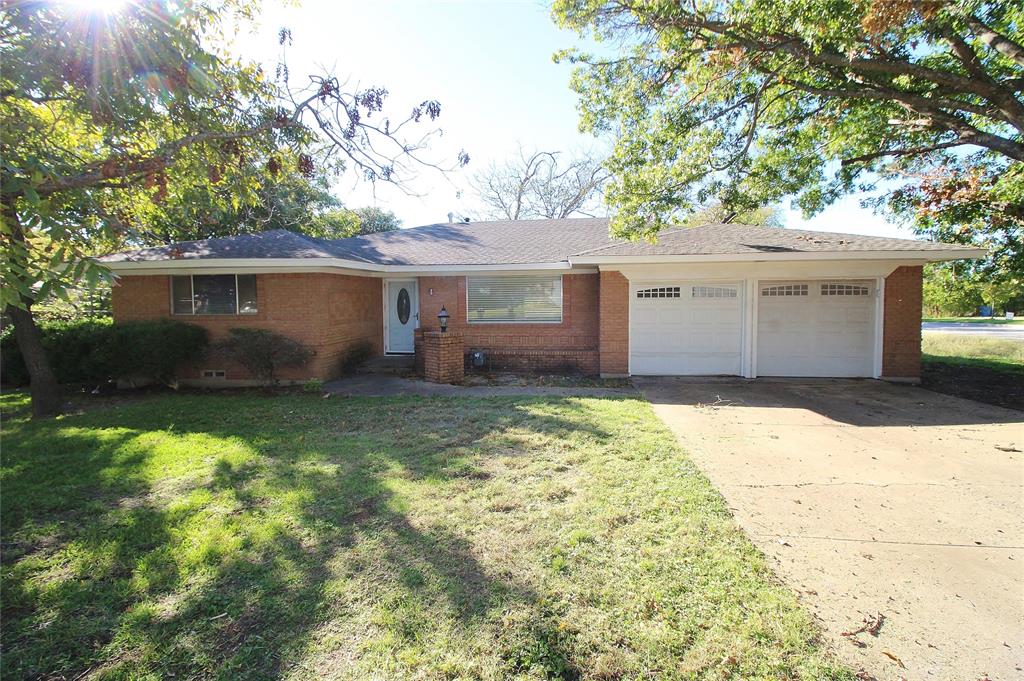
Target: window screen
<point>203,294</point>
<point>247,294</point>
<point>214,294</point>
<point>181,295</point>
<point>514,299</point>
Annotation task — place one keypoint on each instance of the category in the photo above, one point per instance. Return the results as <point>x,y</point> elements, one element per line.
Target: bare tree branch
<point>539,185</point>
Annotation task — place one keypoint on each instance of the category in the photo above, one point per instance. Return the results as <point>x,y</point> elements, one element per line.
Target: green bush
<point>76,351</point>
<point>97,350</point>
<point>155,349</point>
<point>264,352</point>
<point>313,385</point>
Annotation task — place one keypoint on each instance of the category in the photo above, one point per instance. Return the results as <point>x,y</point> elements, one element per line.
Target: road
<point>1003,331</point>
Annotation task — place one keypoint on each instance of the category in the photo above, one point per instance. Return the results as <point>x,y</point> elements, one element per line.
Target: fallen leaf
<point>894,658</point>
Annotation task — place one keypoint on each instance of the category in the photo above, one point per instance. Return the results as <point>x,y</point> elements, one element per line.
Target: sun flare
<point>97,6</point>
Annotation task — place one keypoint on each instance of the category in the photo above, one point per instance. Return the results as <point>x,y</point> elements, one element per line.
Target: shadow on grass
<point>218,537</point>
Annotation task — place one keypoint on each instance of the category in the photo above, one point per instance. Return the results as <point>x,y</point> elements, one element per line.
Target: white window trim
<point>192,297</point>
<point>561,303</point>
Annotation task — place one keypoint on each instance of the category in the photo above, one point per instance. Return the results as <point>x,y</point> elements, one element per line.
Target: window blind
<point>214,294</point>
<point>514,299</point>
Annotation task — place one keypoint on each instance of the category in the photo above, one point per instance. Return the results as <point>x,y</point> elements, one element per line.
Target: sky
<point>490,65</point>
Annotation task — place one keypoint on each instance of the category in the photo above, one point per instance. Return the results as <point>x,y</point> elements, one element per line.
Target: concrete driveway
<point>875,502</point>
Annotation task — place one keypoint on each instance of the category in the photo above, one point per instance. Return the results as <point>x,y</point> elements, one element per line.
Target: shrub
<point>313,385</point>
<point>263,352</point>
<point>75,350</point>
<point>155,349</point>
<point>97,350</point>
<point>353,357</point>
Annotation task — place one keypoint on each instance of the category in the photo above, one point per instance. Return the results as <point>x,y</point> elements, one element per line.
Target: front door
<point>403,314</point>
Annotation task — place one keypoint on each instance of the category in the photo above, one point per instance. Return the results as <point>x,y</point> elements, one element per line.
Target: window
<point>664,292</point>
<point>713,292</point>
<point>843,290</point>
<point>214,294</point>
<point>514,299</point>
<point>785,290</point>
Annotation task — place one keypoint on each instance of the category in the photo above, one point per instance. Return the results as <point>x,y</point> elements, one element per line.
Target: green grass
<point>974,320</point>
<point>246,536</point>
<point>990,353</point>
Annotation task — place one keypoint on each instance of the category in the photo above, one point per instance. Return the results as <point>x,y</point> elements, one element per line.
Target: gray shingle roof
<point>278,243</point>
<point>507,242</point>
<point>733,239</point>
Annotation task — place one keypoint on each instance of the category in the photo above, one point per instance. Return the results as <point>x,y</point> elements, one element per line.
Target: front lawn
<point>245,536</point>
<point>975,367</point>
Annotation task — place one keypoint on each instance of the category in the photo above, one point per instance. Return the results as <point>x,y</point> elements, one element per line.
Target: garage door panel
<point>825,330</point>
<point>696,329</point>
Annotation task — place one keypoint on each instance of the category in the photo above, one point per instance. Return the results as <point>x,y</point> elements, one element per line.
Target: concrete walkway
<point>1000,331</point>
<point>381,385</point>
<point>889,509</point>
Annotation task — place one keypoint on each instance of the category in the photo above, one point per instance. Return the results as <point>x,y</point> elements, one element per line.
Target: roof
<point>523,242</point>
<point>734,239</point>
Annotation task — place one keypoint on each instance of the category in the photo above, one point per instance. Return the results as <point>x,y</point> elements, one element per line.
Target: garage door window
<point>784,290</point>
<point>843,290</point>
<point>713,292</point>
<point>663,292</point>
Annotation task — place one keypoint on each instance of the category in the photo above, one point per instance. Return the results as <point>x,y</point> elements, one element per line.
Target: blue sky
<point>487,62</point>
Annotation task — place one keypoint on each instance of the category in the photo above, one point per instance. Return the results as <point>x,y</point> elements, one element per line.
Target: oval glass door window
<point>404,306</point>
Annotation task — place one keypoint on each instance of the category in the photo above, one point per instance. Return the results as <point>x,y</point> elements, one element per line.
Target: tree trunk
<point>46,394</point>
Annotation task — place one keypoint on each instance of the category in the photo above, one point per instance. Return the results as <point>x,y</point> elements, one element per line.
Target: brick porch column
<point>417,344</point>
<point>442,357</point>
<point>613,341</point>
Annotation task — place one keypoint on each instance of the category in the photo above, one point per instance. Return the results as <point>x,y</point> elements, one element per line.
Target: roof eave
<point>270,265</point>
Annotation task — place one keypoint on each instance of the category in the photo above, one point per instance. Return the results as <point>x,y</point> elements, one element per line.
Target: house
<point>558,295</point>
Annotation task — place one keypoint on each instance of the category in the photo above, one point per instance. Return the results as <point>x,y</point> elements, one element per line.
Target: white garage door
<point>685,328</point>
<point>815,328</point>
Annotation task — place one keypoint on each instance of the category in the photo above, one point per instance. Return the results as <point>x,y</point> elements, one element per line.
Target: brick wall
<point>442,356</point>
<point>568,346</point>
<point>329,312</point>
<point>614,324</point>
<point>901,330</point>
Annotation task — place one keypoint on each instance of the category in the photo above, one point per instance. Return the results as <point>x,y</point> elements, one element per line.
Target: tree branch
<point>996,41</point>
<point>914,151</point>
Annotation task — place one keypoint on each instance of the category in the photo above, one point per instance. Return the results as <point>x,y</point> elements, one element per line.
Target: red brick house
<point>558,295</point>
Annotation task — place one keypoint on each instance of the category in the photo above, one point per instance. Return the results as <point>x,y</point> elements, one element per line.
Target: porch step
<point>388,364</point>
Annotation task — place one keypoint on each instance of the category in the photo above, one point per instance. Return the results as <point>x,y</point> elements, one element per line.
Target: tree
<point>751,101</point>
<point>108,115</point>
<point>717,212</point>
<point>286,199</point>
<point>541,185</point>
<point>945,291</point>
<point>973,200</point>
<point>373,220</point>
